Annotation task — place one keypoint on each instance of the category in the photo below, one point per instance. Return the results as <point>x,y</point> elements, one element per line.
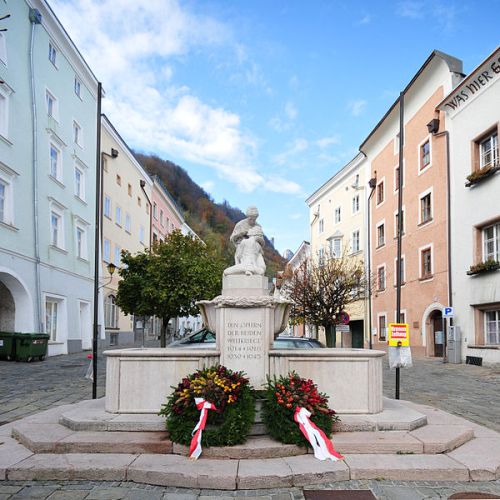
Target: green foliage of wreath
<point>227,426</point>
<point>282,396</point>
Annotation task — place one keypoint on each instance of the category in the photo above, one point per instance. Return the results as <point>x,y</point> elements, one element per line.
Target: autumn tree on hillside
<point>168,280</point>
<point>321,291</point>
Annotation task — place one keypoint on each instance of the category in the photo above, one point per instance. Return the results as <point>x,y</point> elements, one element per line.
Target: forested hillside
<point>213,222</point>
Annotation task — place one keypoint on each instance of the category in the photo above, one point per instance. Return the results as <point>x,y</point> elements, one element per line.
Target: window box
<point>480,175</point>
<point>484,267</point>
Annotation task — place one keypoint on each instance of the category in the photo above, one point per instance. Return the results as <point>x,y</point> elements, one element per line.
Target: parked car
<point>205,339</point>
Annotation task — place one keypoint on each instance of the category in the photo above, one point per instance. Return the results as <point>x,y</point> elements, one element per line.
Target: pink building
<point>425,268</point>
<point>166,214</point>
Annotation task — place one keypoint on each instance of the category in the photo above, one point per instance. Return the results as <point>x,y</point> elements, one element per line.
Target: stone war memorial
<point>122,437</point>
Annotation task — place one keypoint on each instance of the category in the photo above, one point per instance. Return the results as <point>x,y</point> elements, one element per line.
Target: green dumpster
<point>7,345</point>
<point>30,346</point>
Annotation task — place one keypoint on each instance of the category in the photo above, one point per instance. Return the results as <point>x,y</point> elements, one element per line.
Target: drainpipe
<point>35,18</point>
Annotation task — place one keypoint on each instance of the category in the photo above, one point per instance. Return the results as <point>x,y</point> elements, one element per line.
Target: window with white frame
<point>426,263</point>
<point>55,162</point>
<point>402,270</point>
<point>321,226</point>
<point>155,210</point>
<point>107,206</point>
<point>382,326</point>
<point>355,204</point>
<point>52,318</point>
<point>141,234</point>
<point>79,183</point>
<point>118,215</point>
<point>491,242</point>
<point>425,154</point>
<point>77,134</point>
<point>336,248</point>
<point>118,256</point>
<point>52,105</point>
<point>110,312</point>
<point>321,256</point>
<point>380,234</point>
<point>6,200</point>
<point>355,241</point>
<point>128,223</point>
<point>492,327</point>
<point>106,250</point>
<point>52,54</point>
<point>56,226</point>
<point>380,192</point>
<point>396,223</point>
<point>381,281</point>
<point>425,214</point>
<point>78,87</point>
<point>337,217</point>
<point>81,241</point>
<point>3,48</point>
<point>4,110</point>
<point>488,151</point>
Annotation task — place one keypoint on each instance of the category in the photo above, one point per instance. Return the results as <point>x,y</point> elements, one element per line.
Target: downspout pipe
<point>35,18</point>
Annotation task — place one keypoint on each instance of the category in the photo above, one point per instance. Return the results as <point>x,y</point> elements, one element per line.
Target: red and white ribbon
<point>203,406</point>
<point>322,446</point>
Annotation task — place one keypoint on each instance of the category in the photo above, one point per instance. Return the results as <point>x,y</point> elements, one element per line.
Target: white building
<point>472,116</point>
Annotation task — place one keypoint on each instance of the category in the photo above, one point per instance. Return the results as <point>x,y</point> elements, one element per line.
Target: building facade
<point>127,193</point>
<point>472,115</point>
<point>424,255</point>
<point>337,217</point>
<point>166,214</point>
<point>48,124</point>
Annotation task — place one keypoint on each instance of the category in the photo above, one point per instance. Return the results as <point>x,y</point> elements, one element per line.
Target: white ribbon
<point>195,447</point>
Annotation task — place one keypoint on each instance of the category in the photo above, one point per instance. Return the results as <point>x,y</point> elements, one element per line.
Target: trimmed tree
<point>167,280</point>
<point>321,291</point>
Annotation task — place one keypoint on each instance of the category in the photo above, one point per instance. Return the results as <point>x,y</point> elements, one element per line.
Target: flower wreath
<point>229,395</point>
<point>282,398</point>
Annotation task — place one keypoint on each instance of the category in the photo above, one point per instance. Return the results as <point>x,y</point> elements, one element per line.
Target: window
<point>81,242</point>
<point>52,54</point>
<point>55,162</point>
<point>128,223</point>
<point>491,242</point>
<point>51,101</point>
<point>321,256</point>
<point>382,327</point>
<point>337,215</point>
<point>118,180</point>
<point>492,327</point>
<point>106,252</point>
<point>105,164</point>
<point>425,208</point>
<point>118,216</point>
<point>381,278</point>
<point>129,189</point>
<point>4,110</point>
<point>336,248</point>
<point>321,226</point>
<point>79,183</point>
<point>426,263</point>
<point>161,217</point>
<point>155,210</point>
<point>107,206</point>
<point>155,237</point>
<point>139,201</point>
<point>51,318</point>
<point>118,256</point>
<point>380,235</point>
<point>110,312</point>
<point>141,234</point>
<point>3,48</point>
<point>396,178</point>
<point>77,134</point>
<point>488,151</point>
<point>56,236</point>
<point>402,270</point>
<point>425,155</point>
<point>355,241</point>
<point>355,204</point>
<point>396,223</point>
<point>380,192</point>
<point>78,88</point>
<point>402,316</point>
<point>6,201</point>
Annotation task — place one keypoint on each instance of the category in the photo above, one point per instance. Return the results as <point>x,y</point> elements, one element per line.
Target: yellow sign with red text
<point>399,335</point>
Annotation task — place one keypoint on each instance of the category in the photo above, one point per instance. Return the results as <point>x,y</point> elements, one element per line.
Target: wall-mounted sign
<point>399,335</point>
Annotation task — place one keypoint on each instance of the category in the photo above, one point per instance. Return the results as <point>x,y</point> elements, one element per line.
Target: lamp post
<point>142,183</point>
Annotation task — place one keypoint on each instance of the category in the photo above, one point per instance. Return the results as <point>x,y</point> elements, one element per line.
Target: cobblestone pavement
<point>28,388</point>
<point>383,490</point>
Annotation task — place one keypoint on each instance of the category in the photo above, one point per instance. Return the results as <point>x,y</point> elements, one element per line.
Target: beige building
<point>125,222</point>
<point>337,217</point>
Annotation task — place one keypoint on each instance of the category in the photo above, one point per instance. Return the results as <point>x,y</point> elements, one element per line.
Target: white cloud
<point>299,145</point>
<point>326,142</point>
<point>290,111</point>
<point>132,49</point>
<point>366,19</point>
<point>284,121</point>
<point>278,184</point>
<point>357,107</point>
<point>411,9</point>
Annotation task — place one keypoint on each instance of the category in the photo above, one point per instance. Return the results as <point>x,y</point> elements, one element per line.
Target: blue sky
<point>262,101</point>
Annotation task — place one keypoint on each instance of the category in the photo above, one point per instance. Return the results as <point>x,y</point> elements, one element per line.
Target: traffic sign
<point>344,318</point>
<point>448,312</point>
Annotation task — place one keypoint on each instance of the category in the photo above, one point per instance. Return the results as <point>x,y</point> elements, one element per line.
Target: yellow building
<point>337,217</point>
<point>125,222</point>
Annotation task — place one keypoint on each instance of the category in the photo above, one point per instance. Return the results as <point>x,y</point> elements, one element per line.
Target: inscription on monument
<point>244,340</point>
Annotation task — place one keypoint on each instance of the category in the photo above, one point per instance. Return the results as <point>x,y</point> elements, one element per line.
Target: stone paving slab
<point>40,438</point>
<point>270,473</point>
<point>406,467</point>
<point>376,442</point>
<point>308,470</point>
<point>93,467</point>
<point>11,452</point>
<point>442,438</point>
<point>175,470</point>
<point>481,456</point>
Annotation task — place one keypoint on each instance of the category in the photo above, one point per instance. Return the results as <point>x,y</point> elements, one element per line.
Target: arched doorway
<point>437,333</point>
<point>16,305</point>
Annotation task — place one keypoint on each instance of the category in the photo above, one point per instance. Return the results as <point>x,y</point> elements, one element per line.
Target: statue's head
<point>252,214</point>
